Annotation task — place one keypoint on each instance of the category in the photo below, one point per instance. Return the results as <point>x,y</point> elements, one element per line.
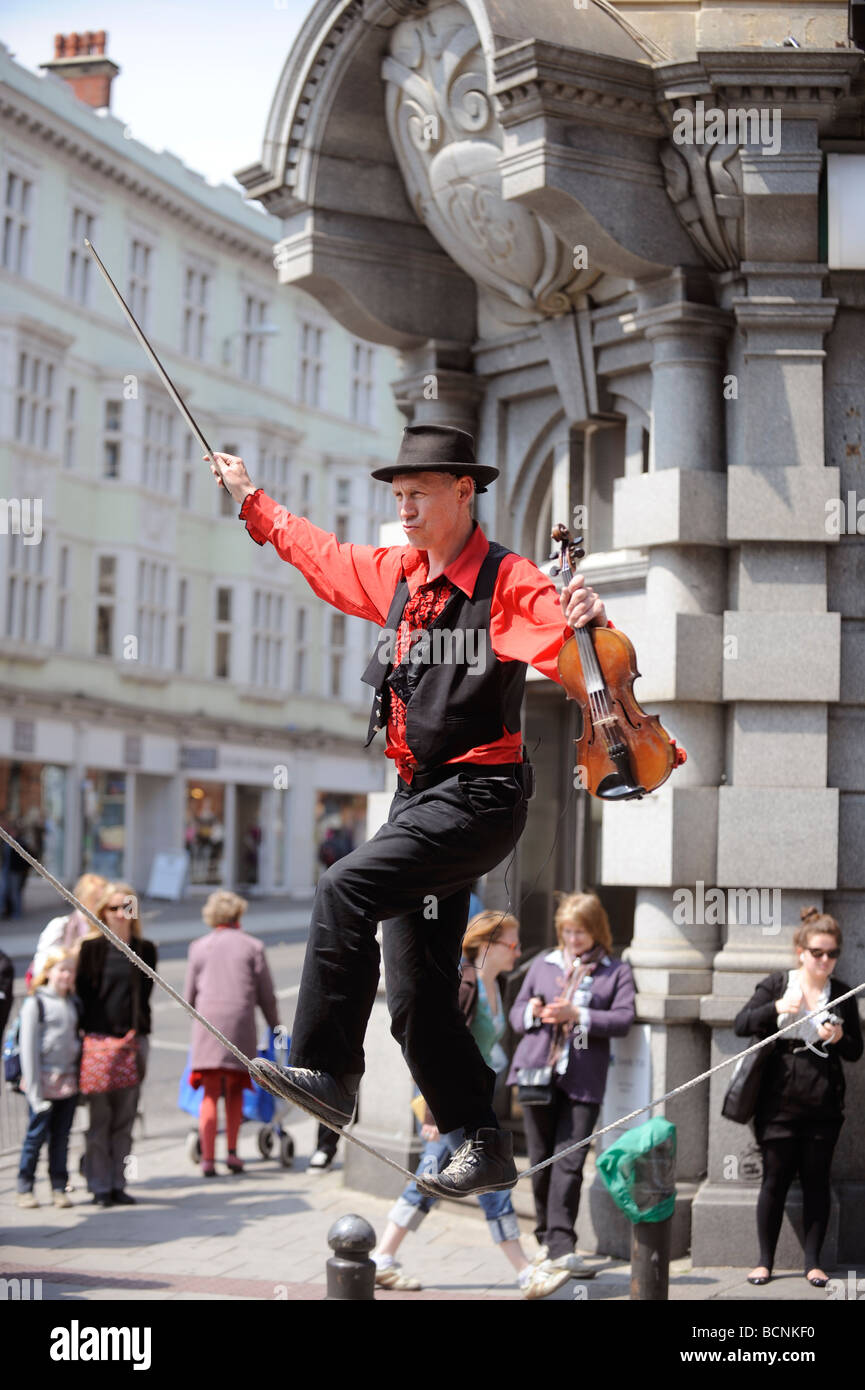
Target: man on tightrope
<point>461,618</point>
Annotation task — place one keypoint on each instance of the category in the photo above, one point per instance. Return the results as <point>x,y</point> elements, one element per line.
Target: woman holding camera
<point>801,1104</point>
<point>573,1000</point>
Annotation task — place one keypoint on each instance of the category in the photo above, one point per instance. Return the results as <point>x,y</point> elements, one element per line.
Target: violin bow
<point>164,377</point>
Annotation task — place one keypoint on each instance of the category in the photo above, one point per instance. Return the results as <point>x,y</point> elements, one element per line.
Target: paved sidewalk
<point>263,1235</point>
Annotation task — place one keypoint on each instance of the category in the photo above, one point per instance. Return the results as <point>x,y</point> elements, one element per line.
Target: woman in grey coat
<point>227,976</point>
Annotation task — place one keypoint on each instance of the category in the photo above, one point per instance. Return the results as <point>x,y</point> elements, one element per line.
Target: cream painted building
<point>165,684</point>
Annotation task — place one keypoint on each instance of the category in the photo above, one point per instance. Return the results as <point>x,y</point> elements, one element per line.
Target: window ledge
<point>13,649</point>
<point>262,695</point>
<point>142,675</point>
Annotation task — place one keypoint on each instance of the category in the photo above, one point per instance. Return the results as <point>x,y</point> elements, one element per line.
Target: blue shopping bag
<point>258,1104</point>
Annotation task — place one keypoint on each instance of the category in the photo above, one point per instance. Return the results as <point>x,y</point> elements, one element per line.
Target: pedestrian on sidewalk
<point>491,947</point>
<point>49,1048</point>
<point>70,928</point>
<point>572,1001</point>
<point>115,1001</point>
<point>227,975</point>
<point>800,1109</point>
<point>461,619</point>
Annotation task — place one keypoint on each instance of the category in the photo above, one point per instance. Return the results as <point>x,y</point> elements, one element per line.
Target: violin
<point>622,752</point>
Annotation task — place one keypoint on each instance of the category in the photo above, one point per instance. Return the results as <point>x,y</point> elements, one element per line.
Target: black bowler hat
<point>438,449</point>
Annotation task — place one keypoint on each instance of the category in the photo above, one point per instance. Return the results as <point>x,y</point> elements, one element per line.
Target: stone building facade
<point>598,243</point>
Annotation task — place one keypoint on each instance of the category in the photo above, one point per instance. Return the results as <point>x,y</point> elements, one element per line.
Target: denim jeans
<point>412,1206</point>
<point>52,1125</point>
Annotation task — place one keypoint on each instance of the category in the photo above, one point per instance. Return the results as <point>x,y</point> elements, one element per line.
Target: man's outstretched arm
<point>357,579</point>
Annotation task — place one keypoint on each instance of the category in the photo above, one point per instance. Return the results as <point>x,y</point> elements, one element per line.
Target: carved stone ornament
<point>447,142</point>
<point>704,182</point>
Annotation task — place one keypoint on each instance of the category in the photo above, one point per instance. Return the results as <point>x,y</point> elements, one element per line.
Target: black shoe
<point>326,1097</point>
<point>103,1199</point>
<point>121,1198</point>
<point>484,1163</point>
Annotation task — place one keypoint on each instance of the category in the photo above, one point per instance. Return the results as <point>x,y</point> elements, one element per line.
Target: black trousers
<point>556,1189</point>
<point>415,877</point>
<point>811,1157</point>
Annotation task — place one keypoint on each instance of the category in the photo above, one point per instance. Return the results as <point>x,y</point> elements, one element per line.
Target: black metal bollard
<point>650,1260</point>
<point>350,1271</point>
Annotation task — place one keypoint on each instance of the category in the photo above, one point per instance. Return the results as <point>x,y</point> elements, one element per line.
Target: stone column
<point>666,843</point>
<point>439,387</point>
<point>777,818</point>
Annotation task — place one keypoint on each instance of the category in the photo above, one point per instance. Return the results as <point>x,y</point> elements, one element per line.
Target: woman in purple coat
<point>573,1000</point>
<point>227,975</point>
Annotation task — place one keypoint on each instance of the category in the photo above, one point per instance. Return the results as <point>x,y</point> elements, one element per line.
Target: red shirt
<point>526,622</point>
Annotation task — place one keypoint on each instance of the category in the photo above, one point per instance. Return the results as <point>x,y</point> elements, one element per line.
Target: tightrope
<point>249,1064</point>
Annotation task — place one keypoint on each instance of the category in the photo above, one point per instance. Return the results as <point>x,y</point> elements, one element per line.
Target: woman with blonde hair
<point>227,975</point>
<point>573,1000</point>
<point>49,1048</point>
<point>115,1001</point>
<point>800,1109</point>
<point>491,947</point>
<point>69,929</point>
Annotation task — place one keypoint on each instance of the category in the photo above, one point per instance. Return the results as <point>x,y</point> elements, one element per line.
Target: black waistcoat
<point>458,695</point>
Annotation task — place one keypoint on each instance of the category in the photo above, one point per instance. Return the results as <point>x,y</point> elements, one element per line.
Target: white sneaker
<point>60,1199</point>
<point>26,1199</point>
<point>542,1279</point>
<point>320,1160</point>
<point>573,1266</point>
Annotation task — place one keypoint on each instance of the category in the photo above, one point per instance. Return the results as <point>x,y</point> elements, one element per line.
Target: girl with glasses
<point>801,1105</point>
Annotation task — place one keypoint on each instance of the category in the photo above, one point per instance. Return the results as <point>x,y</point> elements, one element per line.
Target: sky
<point>196,77</point>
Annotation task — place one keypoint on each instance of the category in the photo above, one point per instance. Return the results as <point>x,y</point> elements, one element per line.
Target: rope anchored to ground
<point>249,1064</point>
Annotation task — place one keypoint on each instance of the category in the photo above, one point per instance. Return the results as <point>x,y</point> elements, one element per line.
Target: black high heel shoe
<point>818,1282</point>
<point>760,1279</point>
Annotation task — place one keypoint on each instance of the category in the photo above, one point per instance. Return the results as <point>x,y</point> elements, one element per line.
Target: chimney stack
<point>80,60</point>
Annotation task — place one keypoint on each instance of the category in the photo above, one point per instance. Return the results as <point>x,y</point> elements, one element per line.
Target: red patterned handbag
<point>108,1064</point>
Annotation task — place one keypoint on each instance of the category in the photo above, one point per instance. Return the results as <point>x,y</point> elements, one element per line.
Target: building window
<point>227,504</point>
<point>138,282</point>
<point>78,265</point>
<point>222,636</point>
<point>152,612</point>
<point>111,444</point>
<point>71,430</point>
<point>337,652</point>
<point>253,362</point>
<point>305,493</point>
<point>267,639</point>
<point>63,588</point>
<point>300,627</point>
<point>273,468</point>
<point>362,399</point>
<point>196,299</point>
<point>106,596</point>
<point>180,634</point>
<point>26,582</point>
<point>310,387</point>
<point>34,401</point>
<point>157,456</point>
<point>187,491</point>
<point>17,211</point>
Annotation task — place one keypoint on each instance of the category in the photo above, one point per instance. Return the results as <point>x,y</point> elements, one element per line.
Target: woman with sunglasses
<point>115,998</point>
<point>801,1105</point>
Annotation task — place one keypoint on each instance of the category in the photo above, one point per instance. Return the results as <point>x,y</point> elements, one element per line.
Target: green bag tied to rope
<point>639,1171</point>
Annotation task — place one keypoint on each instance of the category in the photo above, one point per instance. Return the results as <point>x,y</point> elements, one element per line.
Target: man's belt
<point>521,773</point>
